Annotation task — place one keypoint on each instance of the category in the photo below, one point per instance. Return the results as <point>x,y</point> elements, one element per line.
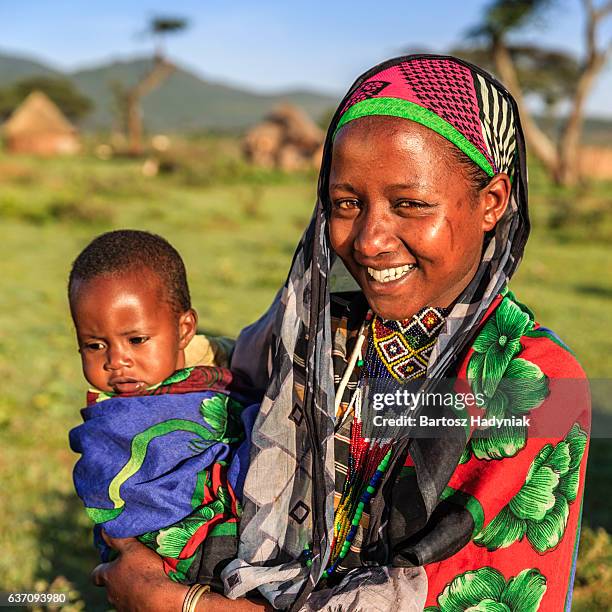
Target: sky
<point>272,45</point>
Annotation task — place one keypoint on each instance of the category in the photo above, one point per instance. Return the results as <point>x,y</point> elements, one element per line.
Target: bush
<point>593,586</point>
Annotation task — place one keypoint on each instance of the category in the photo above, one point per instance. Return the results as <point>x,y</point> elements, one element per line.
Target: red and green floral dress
<point>503,534</point>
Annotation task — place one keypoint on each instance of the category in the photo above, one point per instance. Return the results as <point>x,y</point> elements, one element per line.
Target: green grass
<point>236,229</point>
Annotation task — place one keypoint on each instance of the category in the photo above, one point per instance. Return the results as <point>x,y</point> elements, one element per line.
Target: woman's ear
<point>187,323</point>
<point>495,197</point>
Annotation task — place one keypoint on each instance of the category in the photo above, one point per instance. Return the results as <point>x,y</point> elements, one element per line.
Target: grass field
<point>236,229</point>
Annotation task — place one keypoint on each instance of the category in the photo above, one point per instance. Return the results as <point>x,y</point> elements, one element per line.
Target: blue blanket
<point>147,463</point>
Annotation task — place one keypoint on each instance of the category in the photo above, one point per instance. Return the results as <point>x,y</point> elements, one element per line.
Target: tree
<point>8,102</point>
<point>160,27</point>
<point>67,97</point>
<point>552,75</point>
<point>162,68</point>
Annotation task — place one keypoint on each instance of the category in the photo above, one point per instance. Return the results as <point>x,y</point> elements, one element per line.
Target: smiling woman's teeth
<point>390,274</point>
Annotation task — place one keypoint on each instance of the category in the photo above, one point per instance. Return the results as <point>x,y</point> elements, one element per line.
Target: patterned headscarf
<point>288,493</point>
<point>446,97</point>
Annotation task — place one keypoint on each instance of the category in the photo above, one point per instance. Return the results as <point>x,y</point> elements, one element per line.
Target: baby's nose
<point>117,358</point>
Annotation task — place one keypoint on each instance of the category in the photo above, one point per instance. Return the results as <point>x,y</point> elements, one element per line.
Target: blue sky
<point>270,45</point>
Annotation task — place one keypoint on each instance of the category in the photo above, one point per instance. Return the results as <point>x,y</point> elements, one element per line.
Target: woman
<point>423,198</point>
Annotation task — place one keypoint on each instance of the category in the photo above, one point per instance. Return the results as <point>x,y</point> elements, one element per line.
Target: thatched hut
<point>37,126</point>
<point>287,139</point>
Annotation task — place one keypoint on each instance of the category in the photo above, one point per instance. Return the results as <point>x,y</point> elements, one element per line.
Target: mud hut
<point>286,139</point>
<point>596,163</point>
<point>37,126</point>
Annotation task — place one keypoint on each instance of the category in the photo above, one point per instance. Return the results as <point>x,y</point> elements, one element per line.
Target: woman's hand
<point>136,579</point>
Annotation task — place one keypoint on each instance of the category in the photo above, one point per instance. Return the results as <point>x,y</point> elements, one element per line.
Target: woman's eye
<point>138,339</point>
<point>412,204</point>
<point>346,204</point>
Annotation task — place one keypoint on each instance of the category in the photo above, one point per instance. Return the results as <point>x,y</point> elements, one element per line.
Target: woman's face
<point>404,217</point>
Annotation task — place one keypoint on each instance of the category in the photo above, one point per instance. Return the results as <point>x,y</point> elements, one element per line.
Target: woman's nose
<point>117,358</point>
<point>375,235</point>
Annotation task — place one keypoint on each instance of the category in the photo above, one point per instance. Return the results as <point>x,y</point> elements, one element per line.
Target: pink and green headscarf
<point>446,96</point>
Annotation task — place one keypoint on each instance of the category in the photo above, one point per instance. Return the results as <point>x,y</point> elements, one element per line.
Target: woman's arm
<point>136,581</point>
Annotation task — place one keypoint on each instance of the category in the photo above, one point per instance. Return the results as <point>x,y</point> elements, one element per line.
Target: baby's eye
<point>138,339</point>
<point>93,346</point>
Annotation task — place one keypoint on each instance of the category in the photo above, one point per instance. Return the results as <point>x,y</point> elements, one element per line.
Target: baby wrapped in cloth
<point>168,467</point>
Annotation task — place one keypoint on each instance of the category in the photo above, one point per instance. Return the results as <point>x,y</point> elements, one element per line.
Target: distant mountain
<point>596,131</point>
<point>16,68</point>
<point>185,102</point>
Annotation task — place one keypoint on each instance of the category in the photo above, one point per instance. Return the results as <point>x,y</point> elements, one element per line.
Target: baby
<point>164,442</point>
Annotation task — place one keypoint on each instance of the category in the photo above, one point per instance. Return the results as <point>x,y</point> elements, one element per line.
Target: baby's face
<point>129,337</point>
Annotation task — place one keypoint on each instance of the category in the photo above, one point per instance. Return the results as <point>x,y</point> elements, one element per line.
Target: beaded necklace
<point>396,350</point>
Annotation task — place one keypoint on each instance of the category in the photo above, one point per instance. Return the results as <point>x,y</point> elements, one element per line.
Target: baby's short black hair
<point>115,253</point>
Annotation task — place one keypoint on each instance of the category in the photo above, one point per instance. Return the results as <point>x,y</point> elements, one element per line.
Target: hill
<point>183,103</point>
<point>16,68</point>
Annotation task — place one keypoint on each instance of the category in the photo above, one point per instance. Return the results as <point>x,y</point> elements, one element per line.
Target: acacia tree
<point>553,75</point>
<point>161,69</point>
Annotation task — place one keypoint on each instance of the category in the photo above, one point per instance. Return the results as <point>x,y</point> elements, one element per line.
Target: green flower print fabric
<point>512,386</point>
<point>486,590</point>
<point>540,510</point>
